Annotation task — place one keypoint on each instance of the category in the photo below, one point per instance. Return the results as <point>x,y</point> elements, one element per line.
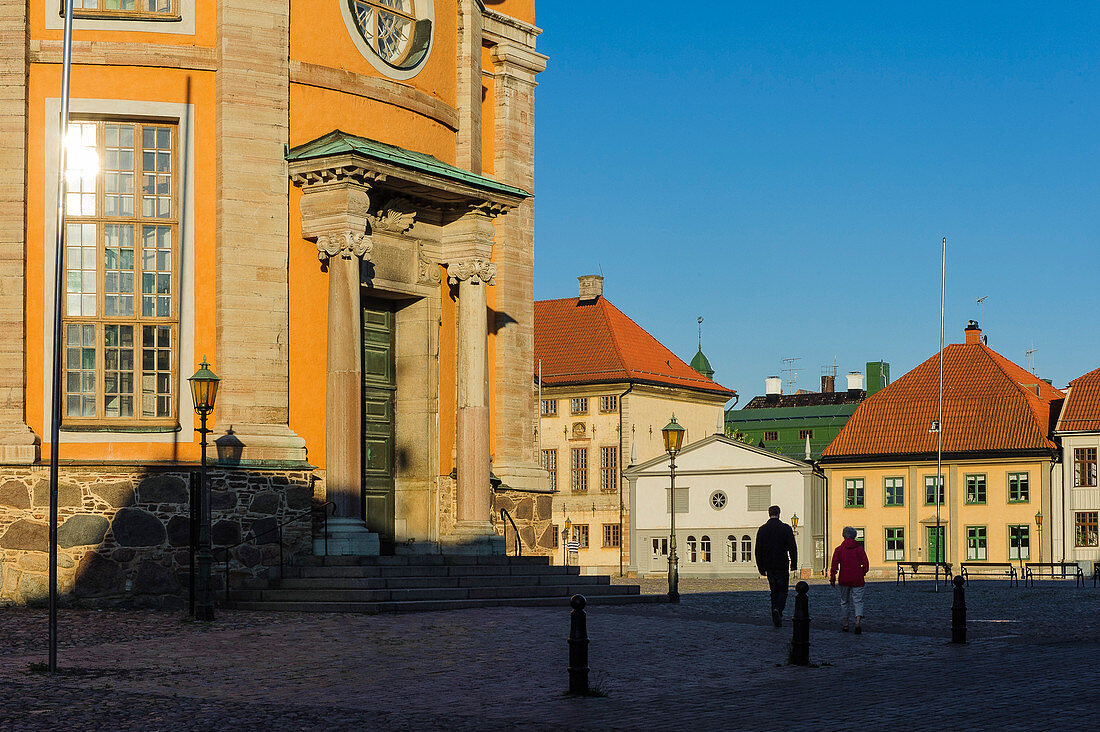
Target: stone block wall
<point>123,532</point>
<point>532,511</point>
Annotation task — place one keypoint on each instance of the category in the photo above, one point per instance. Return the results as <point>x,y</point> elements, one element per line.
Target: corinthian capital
<point>346,244</point>
<point>477,271</point>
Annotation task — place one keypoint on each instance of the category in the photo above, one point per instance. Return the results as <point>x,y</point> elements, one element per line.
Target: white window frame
<point>182,114</point>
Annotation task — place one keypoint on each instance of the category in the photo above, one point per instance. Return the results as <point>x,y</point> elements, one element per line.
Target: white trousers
<point>850,598</point>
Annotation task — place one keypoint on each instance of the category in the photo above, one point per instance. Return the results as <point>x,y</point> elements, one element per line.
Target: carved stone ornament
<point>579,431</point>
<point>346,244</point>
<point>397,216</point>
<point>427,270</point>
<point>478,271</point>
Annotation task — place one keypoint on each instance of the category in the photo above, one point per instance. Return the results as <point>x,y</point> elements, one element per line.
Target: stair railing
<point>325,509</point>
<point>519,544</point>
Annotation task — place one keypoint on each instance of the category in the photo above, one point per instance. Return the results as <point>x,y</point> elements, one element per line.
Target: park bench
<point>1054,570</point>
<point>995,569</point>
<point>913,569</point>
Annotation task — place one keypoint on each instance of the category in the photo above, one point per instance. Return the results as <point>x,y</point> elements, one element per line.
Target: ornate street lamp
<point>794,523</point>
<point>566,535</point>
<point>204,390</point>
<point>674,440</point>
<point>1039,524</point>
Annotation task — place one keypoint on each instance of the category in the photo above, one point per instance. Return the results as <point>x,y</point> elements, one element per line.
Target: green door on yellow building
<point>379,402</point>
<point>935,548</point>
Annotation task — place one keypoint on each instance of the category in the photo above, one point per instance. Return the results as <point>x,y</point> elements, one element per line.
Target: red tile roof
<point>989,404</point>
<point>1082,409</point>
<point>594,342</point>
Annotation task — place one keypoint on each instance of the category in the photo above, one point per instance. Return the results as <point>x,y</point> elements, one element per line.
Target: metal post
<point>673,571</point>
<point>58,341</point>
<point>194,509</point>
<point>958,613</point>
<point>941,556</point>
<point>800,641</point>
<point>205,607</point>
<point>578,646</point>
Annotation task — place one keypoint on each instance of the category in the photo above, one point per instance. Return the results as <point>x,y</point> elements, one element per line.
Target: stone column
<point>18,444</point>
<point>468,245</point>
<point>335,215</point>
<point>252,229</point>
<point>516,417</point>
<point>468,139</point>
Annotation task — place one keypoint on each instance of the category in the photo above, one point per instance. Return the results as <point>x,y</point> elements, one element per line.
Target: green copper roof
<point>702,365</point>
<point>338,142</point>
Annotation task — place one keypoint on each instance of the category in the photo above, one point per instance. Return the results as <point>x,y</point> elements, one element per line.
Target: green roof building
<point>782,422</point>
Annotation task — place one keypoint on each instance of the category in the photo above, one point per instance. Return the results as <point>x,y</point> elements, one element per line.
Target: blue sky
<point>787,171</point>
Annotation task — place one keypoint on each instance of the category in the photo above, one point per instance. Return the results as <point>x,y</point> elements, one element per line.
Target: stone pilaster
<point>335,215</point>
<point>468,247</point>
<point>516,463</point>
<point>18,444</point>
<point>251,286</point>
<point>468,142</point>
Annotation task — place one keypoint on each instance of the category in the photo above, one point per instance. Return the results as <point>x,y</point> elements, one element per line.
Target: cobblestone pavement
<point>713,662</point>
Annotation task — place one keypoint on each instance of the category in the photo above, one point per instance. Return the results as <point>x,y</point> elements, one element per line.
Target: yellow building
<point>325,198</point>
<point>608,388</point>
<point>997,451</point>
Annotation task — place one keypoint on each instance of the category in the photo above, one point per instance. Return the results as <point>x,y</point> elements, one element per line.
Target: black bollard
<point>958,613</point>
<point>800,641</point>
<point>578,647</point>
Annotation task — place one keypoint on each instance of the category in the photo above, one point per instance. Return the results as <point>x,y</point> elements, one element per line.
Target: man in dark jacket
<point>775,552</point>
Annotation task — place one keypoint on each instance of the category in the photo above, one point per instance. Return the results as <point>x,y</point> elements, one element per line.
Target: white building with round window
<point>723,491</point>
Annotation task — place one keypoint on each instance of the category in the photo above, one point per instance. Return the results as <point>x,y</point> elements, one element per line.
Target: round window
<point>718,500</point>
<point>394,35</point>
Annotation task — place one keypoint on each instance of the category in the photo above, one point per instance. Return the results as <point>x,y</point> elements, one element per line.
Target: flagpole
<point>58,286</point>
<point>939,421</point>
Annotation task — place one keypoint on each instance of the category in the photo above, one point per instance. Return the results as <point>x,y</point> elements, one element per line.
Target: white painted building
<point>1075,489</point>
<point>723,490</point>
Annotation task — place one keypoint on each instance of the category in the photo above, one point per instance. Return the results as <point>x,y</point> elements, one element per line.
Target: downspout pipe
<point>622,538</point>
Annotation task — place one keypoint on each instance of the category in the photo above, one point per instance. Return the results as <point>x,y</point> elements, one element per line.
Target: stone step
<point>373,583</point>
<point>418,560</point>
<point>426,593</point>
<point>436,605</point>
<point>430,570</point>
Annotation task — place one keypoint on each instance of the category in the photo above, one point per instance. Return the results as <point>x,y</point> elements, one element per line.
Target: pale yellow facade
<point>594,494</point>
<point>1001,528</point>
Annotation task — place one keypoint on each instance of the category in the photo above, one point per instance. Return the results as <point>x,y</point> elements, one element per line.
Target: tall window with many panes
<point>579,469</point>
<point>1084,467</point>
<point>550,465</point>
<point>1086,528</point>
<point>932,496</point>
<point>121,316</point>
<point>853,492</point>
<point>1019,490</point>
<point>609,469</point>
<point>975,489</point>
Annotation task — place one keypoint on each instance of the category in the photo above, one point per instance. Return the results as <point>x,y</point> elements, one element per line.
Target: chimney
<point>828,384</point>
<point>591,288</point>
<point>973,333</point>
<point>855,384</point>
<point>773,387</point>
<point>878,376</point>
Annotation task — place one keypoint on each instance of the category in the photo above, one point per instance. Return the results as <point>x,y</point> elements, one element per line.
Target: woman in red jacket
<point>852,561</point>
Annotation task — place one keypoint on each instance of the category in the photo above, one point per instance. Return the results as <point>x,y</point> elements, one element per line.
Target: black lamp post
<point>1039,525</point>
<point>674,440</point>
<point>204,390</point>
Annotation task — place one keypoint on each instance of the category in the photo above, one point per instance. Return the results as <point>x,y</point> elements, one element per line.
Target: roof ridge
<point>603,303</point>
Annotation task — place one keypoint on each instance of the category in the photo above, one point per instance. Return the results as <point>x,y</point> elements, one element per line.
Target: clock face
<point>394,35</point>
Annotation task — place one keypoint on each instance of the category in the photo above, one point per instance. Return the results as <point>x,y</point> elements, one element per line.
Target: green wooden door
<point>935,548</point>
<point>379,400</point>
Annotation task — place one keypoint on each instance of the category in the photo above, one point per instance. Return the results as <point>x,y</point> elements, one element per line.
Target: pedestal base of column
<point>522,476</point>
<point>473,537</point>
<point>18,444</point>
<point>347,537</point>
<point>252,444</point>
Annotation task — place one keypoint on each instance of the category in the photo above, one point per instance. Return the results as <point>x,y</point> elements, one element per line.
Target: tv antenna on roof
<point>1030,355</point>
<point>791,370</point>
<point>981,300</point>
